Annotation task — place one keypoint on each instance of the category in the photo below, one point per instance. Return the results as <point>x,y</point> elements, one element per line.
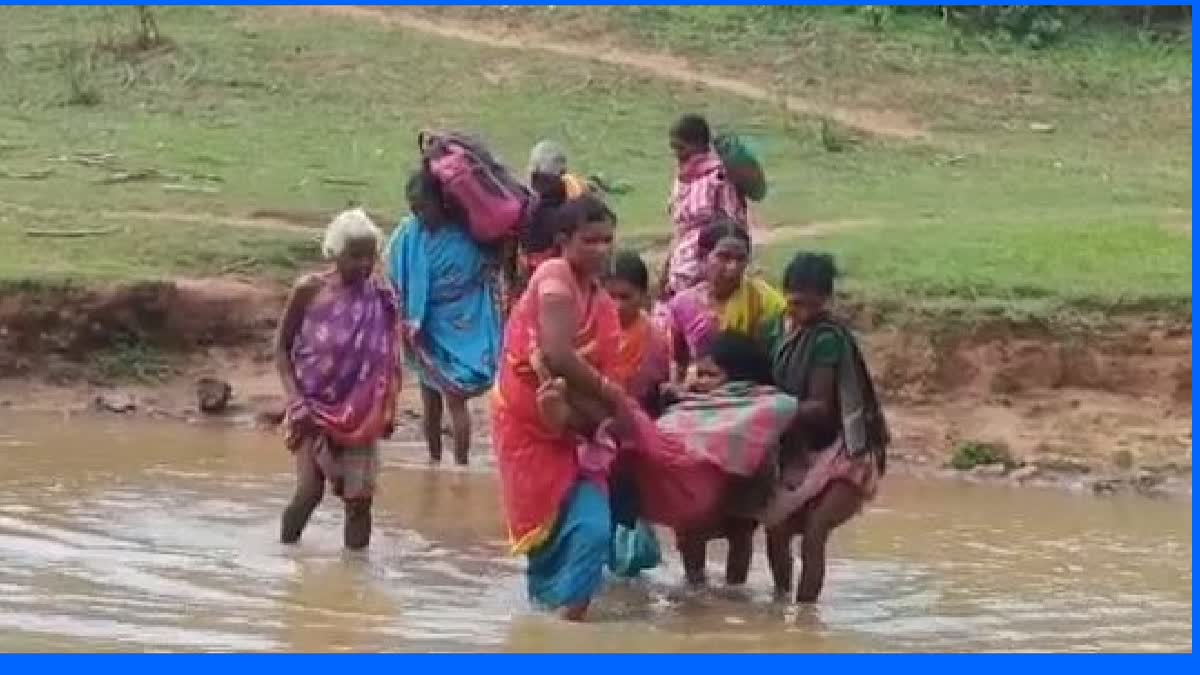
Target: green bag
<point>742,165</point>
<point>634,550</point>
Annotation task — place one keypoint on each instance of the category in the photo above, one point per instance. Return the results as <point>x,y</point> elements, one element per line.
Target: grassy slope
<point>278,102</point>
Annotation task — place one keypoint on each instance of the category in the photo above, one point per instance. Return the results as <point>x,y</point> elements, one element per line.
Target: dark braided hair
<point>810,271</point>
<point>574,213</point>
<point>723,226</point>
<point>423,183</point>
<point>741,357</point>
<point>628,266</point>
<point>692,129</point>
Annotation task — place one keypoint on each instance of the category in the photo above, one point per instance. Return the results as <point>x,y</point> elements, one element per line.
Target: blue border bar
<point>609,664</point>
<point>600,664</point>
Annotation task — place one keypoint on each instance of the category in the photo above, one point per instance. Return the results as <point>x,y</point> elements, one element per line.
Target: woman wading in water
<point>448,315</point>
<point>835,454</point>
<point>560,342</point>
<point>335,352</point>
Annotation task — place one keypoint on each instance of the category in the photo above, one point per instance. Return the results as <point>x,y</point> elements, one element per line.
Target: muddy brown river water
<point>122,535</point>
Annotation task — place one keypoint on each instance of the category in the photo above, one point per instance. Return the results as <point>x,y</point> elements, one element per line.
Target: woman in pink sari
<point>336,357</point>
<point>702,193</point>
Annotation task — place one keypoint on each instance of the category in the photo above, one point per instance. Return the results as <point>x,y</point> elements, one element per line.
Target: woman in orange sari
<point>560,344</point>
<point>644,357</point>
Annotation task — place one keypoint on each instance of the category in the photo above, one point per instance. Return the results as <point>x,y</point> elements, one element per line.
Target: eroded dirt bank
<point>1103,407</point>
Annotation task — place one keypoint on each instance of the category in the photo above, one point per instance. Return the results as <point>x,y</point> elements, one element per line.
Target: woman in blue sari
<point>450,323</point>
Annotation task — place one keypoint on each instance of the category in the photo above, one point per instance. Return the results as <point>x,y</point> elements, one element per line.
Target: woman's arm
<point>586,413</point>
<point>556,332</point>
<point>820,408</point>
<point>293,315</point>
<point>680,354</point>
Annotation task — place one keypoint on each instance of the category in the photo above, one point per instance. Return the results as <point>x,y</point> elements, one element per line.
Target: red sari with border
<point>539,465</point>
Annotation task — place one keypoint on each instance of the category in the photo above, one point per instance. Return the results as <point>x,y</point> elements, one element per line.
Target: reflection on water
<point>116,534</point>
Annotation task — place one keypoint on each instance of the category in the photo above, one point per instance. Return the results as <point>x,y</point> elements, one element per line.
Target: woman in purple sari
<point>336,354</point>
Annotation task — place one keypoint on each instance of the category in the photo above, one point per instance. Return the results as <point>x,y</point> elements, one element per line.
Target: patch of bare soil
<point>51,330</point>
<point>1088,405</point>
<point>885,123</point>
<point>1092,405</point>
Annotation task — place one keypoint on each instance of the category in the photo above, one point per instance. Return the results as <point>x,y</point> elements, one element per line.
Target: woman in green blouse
<point>832,459</point>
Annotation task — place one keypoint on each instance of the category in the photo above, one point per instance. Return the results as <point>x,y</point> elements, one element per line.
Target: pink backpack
<point>494,204</point>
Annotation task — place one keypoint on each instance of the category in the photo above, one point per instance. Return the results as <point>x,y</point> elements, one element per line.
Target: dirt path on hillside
<point>889,124</point>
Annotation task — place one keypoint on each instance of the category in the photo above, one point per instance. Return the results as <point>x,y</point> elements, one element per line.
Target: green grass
<point>954,83</point>
<point>970,455</point>
<point>257,109</point>
<point>129,359</point>
<point>146,249</point>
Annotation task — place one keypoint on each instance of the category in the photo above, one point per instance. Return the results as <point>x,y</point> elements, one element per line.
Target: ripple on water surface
<point>122,535</point>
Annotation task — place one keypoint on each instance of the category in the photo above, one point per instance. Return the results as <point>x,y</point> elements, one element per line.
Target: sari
<point>643,363</point>
<point>344,360</point>
<point>693,465</point>
<point>693,319</point>
<point>556,512</point>
<point>643,359</point>
<point>701,193</point>
<point>854,450</point>
<point>450,324</point>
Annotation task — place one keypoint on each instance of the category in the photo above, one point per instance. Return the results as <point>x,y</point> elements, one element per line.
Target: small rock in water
<point>1149,480</point>
<point>1106,486</point>
<point>116,402</point>
<point>212,395</point>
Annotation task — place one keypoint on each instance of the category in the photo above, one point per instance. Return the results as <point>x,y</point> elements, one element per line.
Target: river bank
<point>1086,405</point>
<point>1013,226</point>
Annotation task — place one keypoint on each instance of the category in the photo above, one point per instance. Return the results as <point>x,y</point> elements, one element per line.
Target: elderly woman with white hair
<point>335,351</point>
<point>554,185</point>
<point>548,162</point>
